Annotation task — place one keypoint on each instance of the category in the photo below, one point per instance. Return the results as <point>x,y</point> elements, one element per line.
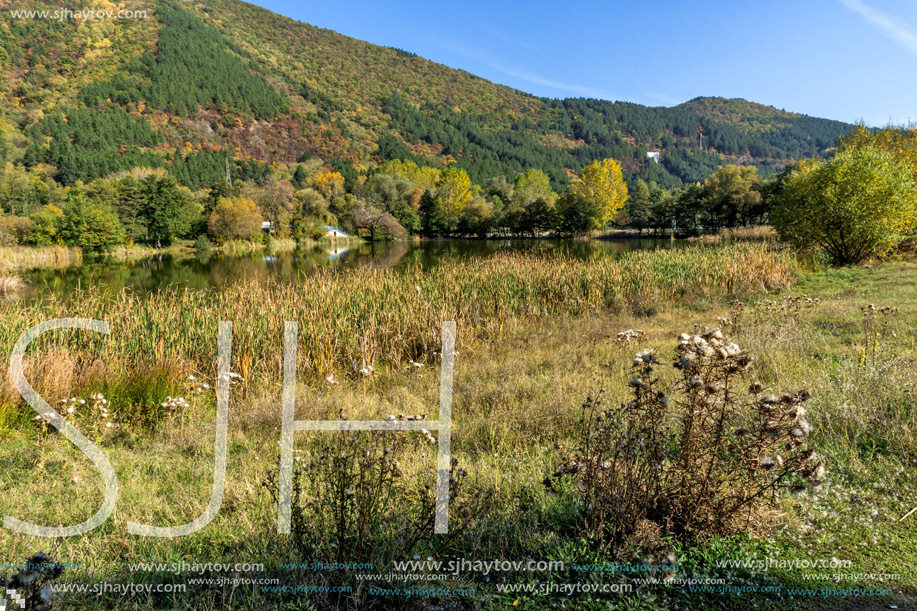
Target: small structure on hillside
<point>654,155</point>
<point>266,227</point>
<point>335,232</point>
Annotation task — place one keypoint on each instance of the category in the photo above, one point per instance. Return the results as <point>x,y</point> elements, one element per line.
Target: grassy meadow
<point>536,337</point>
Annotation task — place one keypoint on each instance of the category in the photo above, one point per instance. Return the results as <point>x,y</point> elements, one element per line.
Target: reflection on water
<point>213,270</point>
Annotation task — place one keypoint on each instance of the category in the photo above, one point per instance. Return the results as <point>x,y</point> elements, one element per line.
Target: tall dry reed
<point>357,320</point>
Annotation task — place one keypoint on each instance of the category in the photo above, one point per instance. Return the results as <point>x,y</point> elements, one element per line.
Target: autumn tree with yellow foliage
<point>235,218</point>
<point>329,184</point>
<point>602,184</point>
<point>455,189</point>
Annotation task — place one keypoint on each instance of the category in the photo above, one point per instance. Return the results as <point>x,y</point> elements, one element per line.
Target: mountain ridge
<point>231,79</point>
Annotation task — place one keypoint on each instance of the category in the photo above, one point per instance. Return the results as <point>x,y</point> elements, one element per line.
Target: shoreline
<point>24,259</point>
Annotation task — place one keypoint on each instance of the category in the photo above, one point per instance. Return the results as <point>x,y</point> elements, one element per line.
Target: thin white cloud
<point>546,82</point>
<point>665,99</point>
<point>529,77</point>
<point>895,28</point>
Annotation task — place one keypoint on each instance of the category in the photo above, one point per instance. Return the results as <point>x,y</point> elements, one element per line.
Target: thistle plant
<point>694,455</point>
<point>355,498</point>
<point>876,331</point>
<point>92,416</point>
<point>34,583</point>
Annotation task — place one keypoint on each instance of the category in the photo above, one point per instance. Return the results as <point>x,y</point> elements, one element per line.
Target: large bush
<point>860,204</point>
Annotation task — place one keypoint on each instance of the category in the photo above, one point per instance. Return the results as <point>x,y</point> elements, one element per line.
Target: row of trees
<point>393,200</point>
<point>105,213</point>
<point>860,203</point>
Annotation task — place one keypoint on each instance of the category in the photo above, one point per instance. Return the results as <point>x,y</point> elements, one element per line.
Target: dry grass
<point>517,392</point>
<point>10,283</point>
<point>516,400</point>
<point>754,233</point>
<point>352,320</point>
<point>25,258</point>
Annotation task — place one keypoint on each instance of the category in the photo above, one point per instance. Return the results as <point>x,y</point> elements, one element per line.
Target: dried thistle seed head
<point>756,388</point>
<point>769,399</point>
<point>766,463</point>
<point>686,361</point>
<point>696,382</point>
<point>646,357</point>
<point>638,382</point>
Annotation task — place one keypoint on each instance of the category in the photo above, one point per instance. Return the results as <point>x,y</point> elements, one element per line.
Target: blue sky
<point>840,59</point>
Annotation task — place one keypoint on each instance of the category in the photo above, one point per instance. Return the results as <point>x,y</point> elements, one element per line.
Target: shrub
<point>34,583</point>
<point>860,204</point>
<point>692,459</point>
<point>203,244</point>
<point>15,230</point>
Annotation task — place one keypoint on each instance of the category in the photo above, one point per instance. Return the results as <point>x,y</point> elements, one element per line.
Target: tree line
<point>857,204</point>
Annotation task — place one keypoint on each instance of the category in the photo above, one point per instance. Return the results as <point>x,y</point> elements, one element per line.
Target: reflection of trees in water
<point>389,255</point>
<point>216,270</point>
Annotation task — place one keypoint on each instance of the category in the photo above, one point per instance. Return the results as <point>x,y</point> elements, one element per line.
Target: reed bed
<point>752,233</point>
<point>25,258</point>
<point>245,247</point>
<point>365,321</point>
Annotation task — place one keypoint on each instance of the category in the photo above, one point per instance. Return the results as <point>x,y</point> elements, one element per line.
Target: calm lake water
<point>214,270</point>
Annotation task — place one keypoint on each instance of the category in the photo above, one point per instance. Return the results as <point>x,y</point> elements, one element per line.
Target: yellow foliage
<point>329,184</point>
<point>900,142</point>
<point>603,184</point>
<point>455,189</point>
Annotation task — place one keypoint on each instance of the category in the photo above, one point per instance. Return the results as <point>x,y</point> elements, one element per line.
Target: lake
<point>214,270</point>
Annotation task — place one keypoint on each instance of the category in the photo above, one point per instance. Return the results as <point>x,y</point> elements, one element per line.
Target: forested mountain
<point>205,88</point>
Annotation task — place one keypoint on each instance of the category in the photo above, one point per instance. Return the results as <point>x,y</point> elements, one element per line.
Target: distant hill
<point>195,84</point>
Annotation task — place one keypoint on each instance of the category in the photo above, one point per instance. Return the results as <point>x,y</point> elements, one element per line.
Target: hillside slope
<point>196,83</point>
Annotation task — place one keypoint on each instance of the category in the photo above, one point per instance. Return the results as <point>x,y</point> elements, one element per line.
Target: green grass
<point>517,394</point>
